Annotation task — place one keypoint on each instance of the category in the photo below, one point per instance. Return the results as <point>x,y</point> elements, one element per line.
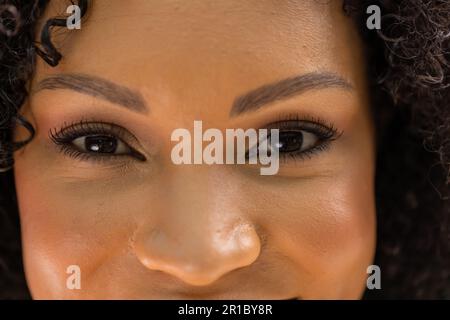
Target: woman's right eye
<point>101,144</point>
<point>93,140</point>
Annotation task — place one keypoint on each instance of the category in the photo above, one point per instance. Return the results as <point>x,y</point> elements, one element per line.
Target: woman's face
<point>97,187</point>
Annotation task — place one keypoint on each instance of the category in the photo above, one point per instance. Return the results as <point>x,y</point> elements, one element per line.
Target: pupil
<point>290,141</point>
<point>100,144</point>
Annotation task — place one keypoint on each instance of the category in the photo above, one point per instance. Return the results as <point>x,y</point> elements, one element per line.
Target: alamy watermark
<point>74,20</point>
<point>372,22</point>
<point>241,147</point>
<point>73,281</point>
<point>374,280</point>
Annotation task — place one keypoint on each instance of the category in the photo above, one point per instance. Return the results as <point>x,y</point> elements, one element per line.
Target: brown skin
<point>154,230</point>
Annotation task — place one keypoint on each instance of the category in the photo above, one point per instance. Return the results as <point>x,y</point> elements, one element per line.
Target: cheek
<point>67,224</point>
<point>42,235</point>
<point>326,227</point>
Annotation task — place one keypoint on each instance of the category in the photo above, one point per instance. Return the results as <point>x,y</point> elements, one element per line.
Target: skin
<point>154,230</point>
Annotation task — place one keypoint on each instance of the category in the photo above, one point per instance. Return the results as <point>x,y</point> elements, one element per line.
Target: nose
<point>201,235</point>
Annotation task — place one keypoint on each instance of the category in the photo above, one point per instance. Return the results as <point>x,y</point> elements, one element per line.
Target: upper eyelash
<point>318,125</point>
<point>69,132</point>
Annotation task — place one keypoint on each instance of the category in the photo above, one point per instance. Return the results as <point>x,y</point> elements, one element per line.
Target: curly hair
<point>408,70</point>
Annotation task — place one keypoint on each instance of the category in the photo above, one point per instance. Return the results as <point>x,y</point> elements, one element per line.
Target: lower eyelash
<point>307,154</point>
<point>70,151</point>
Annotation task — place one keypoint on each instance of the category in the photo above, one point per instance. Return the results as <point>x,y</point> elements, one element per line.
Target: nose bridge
<point>193,216</point>
<point>202,234</point>
<point>192,189</point>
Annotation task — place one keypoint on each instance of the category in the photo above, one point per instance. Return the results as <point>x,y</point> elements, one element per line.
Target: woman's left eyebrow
<point>285,89</point>
<point>98,88</point>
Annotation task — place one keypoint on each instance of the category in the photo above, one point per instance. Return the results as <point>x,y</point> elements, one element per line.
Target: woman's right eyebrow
<point>98,88</point>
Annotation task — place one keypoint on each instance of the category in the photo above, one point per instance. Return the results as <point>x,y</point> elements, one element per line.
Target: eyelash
<point>325,131</point>
<point>64,137</point>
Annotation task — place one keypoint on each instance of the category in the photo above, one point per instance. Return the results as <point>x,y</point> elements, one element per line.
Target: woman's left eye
<point>296,138</point>
<point>296,141</point>
<point>101,144</point>
<point>290,142</point>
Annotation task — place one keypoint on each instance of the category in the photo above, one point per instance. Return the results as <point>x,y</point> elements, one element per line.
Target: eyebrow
<point>287,88</point>
<point>98,88</point>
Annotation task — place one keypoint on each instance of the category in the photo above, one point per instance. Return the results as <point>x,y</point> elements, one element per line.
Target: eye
<point>95,141</point>
<point>296,141</point>
<point>297,138</point>
<point>101,144</point>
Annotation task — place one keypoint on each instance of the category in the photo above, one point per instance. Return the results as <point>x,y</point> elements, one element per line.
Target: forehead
<point>220,45</point>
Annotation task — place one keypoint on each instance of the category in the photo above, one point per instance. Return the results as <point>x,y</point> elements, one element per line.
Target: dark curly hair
<point>409,64</point>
